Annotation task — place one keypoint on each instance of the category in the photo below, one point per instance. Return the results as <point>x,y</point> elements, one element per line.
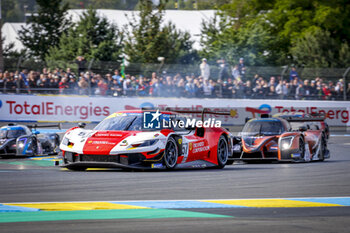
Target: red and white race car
<point>124,140</point>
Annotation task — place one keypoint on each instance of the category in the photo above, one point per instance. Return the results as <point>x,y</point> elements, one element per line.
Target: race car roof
<point>14,127</point>
<point>266,119</point>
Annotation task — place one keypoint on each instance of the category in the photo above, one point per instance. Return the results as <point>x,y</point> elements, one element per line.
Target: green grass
<point>102,214</point>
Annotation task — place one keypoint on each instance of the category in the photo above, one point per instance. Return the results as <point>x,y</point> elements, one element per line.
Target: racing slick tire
<point>302,148</point>
<point>170,154</point>
<point>322,149</point>
<point>222,153</point>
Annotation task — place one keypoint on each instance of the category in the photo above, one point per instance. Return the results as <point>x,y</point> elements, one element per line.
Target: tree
<point>149,40</point>
<point>253,40</point>
<point>103,4</point>
<point>92,37</point>
<point>277,27</point>
<point>45,29</point>
<point>319,49</point>
<point>10,11</point>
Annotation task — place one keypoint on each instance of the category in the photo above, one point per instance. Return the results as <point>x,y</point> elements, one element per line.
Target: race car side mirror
<point>302,128</point>
<point>82,125</point>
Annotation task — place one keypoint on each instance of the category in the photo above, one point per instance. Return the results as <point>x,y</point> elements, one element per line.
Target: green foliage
<point>252,40</point>
<point>241,29</point>
<point>319,49</point>
<point>45,29</point>
<point>270,32</point>
<point>14,10</point>
<point>103,4</point>
<point>148,40</point>
<point>92,37</point>
<point>181,5</point>
<point>10,11</point>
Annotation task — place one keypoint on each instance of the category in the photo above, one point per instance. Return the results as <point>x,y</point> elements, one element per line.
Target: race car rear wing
<point>35,126</point>
<point>203,112</point>
<point>304,119</point>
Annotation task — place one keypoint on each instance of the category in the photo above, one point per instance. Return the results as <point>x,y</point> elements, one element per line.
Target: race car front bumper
<point>130,160</point>
<point>286,155</point>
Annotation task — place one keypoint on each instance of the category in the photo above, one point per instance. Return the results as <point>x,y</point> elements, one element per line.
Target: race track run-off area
<point>37,196</point>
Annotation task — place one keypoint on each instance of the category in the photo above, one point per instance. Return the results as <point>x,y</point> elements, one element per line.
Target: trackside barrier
<point>53,108</point>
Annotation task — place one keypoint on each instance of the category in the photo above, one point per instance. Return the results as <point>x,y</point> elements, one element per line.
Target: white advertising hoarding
<point>94,109</point>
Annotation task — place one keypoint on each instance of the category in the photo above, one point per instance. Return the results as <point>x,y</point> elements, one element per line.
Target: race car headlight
<point>286,142</point>
<point>21,144</point>
<point>145,143</point>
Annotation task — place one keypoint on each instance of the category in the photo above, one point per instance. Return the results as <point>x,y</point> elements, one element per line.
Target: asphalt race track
<point>270,197</point>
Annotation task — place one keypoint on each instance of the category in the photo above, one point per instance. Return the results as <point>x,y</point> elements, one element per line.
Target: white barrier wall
<point>68,108</point>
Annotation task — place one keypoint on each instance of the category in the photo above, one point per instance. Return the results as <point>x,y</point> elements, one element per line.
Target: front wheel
<point>222,153</point>
<point>171,154</point>
<point>323,149</point>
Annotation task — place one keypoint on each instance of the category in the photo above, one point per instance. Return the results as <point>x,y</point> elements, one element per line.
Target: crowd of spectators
<point>230,83</point>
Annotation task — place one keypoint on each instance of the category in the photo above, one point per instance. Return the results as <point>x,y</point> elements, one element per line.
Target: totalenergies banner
<point>94,109</point>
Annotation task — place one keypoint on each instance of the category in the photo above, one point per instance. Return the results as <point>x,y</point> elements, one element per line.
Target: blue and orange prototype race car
<point>282,139</point>
<point>25,140</point>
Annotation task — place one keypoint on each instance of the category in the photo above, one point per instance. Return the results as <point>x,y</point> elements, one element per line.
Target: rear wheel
<point>171,154</point>
<point>222,152</point>
<point>302,148</point>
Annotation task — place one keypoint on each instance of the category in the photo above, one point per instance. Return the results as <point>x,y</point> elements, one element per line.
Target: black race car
<point>22,140</point>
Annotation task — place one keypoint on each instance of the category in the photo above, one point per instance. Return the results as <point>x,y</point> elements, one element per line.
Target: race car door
<point>200,146</point>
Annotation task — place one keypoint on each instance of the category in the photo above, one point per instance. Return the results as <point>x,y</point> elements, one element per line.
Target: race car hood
<point>91,141</point>
<point>102,142</point>
<point>255,143</point>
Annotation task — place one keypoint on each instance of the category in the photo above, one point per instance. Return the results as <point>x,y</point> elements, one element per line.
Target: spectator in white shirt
<point>205,69</point>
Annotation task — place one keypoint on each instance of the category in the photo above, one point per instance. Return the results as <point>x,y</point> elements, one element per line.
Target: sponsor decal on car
<point>157,165</point>
<point>103,142</point>
<point>199,147</point>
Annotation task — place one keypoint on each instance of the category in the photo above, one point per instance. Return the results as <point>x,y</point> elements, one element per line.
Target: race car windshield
<point>126,122</point>
<point>4,133</point>
<point>262,128</point>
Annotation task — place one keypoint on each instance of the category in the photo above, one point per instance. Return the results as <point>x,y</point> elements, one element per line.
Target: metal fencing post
<point>19,62</point>
<point>285,68</point>
<point>89,68</point>
<point>344,80</point>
